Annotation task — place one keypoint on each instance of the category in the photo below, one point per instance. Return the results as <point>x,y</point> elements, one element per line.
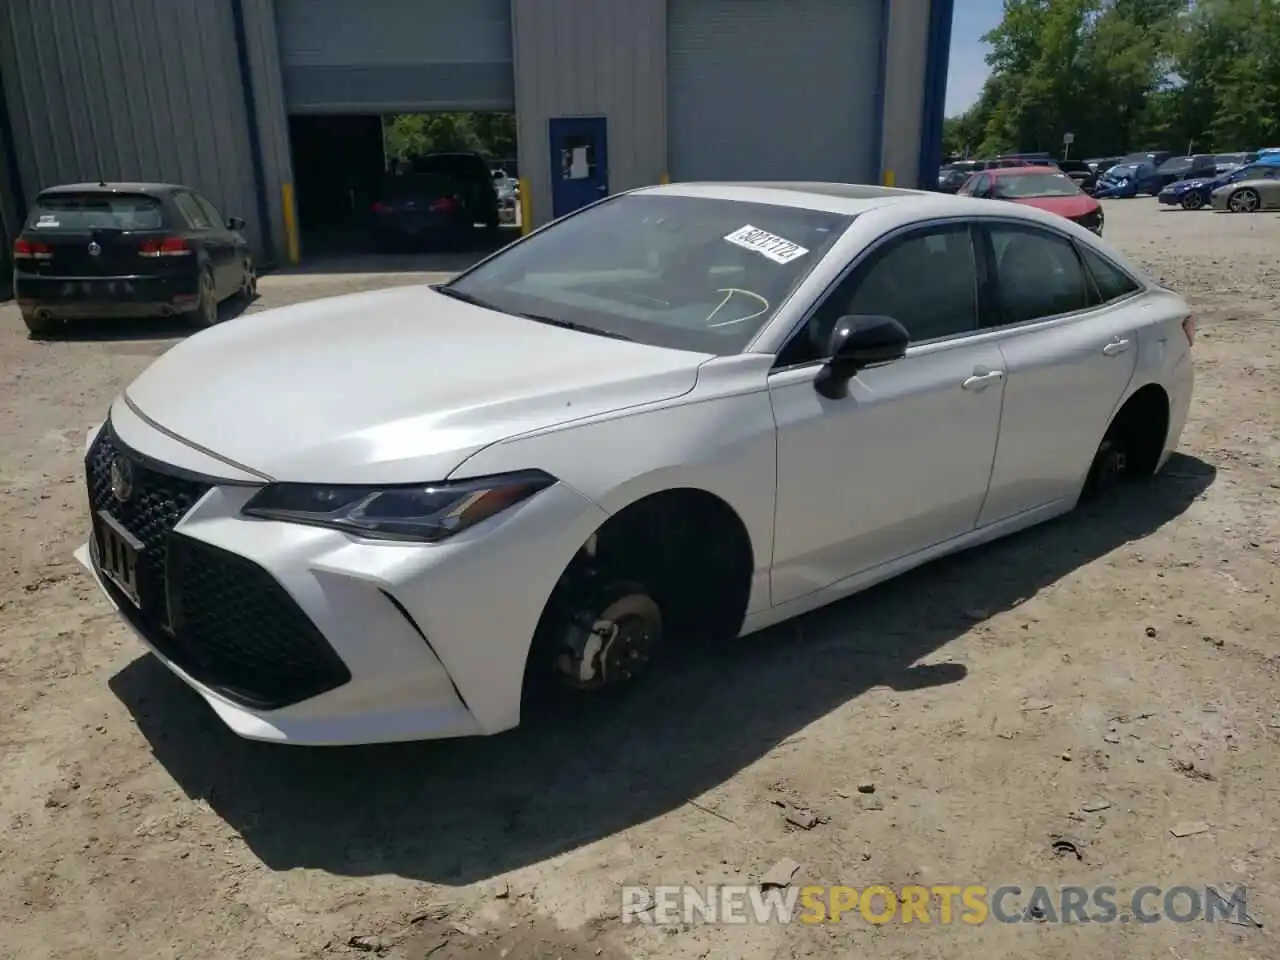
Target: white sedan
<point>683,413</point>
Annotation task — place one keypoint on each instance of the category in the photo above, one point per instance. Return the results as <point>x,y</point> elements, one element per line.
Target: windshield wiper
<point>540,318</point>
<point>570,325</point>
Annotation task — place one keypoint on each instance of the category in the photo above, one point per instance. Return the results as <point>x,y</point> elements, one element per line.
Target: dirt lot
<point>1127,655</point>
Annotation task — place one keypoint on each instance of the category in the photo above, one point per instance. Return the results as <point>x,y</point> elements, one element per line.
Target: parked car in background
<point>1100,165</point>
<point>952,176</point>
<point>1226,162</point>
<point>1155,157</point>
<point>1079,171</point>
<point>1198,192</point>
<point>389,516</point>
<point>1259,191</point>
<point>1129,179</point>
<point>1045,188</point>
<point>109,250</point>
<point>419,209</point>
<point>1187,168</point>
<point>469,171</point>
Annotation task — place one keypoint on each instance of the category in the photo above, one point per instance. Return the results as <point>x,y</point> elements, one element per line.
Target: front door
<point>579,162</point>
<point>901,463</point>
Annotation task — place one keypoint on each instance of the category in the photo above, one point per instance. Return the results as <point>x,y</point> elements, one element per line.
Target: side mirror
<point>235,223</point>
<point>859,342</point>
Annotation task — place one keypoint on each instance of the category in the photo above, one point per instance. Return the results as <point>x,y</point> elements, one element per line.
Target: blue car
<point>1129,179</point>
<point>1194,194</point>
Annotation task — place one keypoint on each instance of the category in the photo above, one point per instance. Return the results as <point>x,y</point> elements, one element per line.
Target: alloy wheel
<point>1245,201</point>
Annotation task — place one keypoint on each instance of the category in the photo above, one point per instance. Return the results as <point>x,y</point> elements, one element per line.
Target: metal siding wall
<point>591,58</point>
<point>905,69</point>
<point>767,90</point>
<point>395,56</point>
<point>273,121</point>
<point>128,90</point>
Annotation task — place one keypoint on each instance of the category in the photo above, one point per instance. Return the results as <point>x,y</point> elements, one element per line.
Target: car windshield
<point>1257,170</point>
<point>690,273</point>
<point>1124,170</point>
<point>1027,185</point>
<point>1177,165</point>
<point>416,185</point>
<point>967,166</point>
<point>96,211</point>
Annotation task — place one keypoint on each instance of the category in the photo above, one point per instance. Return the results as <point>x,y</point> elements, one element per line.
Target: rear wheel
<point>249,281</point>
<point>205,313</point>
<point>1244,201</point>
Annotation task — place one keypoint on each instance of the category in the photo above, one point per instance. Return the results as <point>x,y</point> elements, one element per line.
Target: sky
<point>968,69</point>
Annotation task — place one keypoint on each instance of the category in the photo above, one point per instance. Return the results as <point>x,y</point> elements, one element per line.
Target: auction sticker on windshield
<point>778,249</point>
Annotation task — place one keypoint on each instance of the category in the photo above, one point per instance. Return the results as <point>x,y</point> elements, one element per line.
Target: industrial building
<point>252,101</point>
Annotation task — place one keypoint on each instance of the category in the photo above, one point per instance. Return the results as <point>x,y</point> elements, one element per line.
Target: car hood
<point>394,386</point>
<point>1068,207</point>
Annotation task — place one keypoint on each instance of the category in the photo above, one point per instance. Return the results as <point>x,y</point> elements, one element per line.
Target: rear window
<point>96,211</point>
<point>454,165</point>
<point>417,185</point>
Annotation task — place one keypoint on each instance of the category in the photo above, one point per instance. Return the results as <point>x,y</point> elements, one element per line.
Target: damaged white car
<point>681,414</point>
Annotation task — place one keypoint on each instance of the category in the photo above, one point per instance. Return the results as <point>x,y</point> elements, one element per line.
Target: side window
<point>1112,283</point>
<point>981,186</point>
<point>1038,274</point>
<point>889,284</point>
<point>215,218</point>
<point>191,212</point>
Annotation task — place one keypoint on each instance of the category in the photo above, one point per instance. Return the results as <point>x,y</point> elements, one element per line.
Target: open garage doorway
<point>405,183</point>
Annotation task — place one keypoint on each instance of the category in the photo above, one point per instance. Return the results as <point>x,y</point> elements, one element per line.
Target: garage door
<point>759,89</point>
<point>395,56</point>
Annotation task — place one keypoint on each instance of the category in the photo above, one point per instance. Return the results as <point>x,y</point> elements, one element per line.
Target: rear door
<point>92,235</point>
<point>1065,323</point>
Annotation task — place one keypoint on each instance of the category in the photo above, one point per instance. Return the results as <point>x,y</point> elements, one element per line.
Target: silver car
<point>1259,192</point>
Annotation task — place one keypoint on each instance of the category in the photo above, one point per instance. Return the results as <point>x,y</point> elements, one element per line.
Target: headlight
<point>423,513</point>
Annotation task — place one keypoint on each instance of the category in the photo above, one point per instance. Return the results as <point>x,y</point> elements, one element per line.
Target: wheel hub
<point>611,648</point>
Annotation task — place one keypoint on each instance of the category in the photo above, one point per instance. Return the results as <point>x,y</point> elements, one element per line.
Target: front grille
<point>159,500</point>
<point>222,619</point>
<point>242,633</point>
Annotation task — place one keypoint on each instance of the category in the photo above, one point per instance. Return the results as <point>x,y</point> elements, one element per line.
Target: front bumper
<point>75,298</point>
<point>415,641</point>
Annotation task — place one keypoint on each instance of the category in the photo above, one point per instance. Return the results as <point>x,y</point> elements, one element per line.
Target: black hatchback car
<point>91,250</point>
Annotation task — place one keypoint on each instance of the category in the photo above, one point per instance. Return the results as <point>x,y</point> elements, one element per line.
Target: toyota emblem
<point>121,479</point>
<point>94,249</point>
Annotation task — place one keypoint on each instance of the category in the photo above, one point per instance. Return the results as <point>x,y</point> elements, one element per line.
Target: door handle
<point>1116,347</point>
<point>980,381</point>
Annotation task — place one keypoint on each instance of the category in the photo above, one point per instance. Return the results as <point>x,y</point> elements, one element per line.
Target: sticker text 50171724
<point>778,249</point>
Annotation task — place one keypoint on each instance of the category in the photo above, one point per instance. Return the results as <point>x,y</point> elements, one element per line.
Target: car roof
<point>152,188</point>
<point>851,199</point>
<point>1019,171</point>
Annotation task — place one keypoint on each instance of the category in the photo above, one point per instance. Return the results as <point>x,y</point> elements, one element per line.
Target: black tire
<point>1192,201</point>
<point>205,313</point>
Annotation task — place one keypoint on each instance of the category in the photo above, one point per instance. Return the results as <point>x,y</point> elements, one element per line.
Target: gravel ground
<point>1126,655</point>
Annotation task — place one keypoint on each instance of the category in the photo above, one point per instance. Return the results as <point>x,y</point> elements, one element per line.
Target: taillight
<point>31,250</point>
<point>168,247</point>
<point>1189,328</point>
<point>443,205</point>
<point>380,207</point>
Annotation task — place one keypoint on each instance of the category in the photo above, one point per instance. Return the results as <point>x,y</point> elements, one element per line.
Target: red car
<point>1047,188</point>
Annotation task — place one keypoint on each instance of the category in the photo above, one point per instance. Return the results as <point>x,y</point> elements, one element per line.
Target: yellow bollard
<point>888,178</point>
<point>290,223</point>
<point>526,208</point>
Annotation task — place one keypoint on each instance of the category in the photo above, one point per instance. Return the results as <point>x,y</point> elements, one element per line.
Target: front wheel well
<point>687,547</point>
<point>1143,425</point>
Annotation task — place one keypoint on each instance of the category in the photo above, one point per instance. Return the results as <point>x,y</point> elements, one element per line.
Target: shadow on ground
<point>463,811</point>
